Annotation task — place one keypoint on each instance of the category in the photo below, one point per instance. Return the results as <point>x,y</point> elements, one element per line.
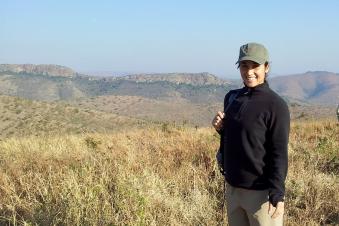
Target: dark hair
<point>267,74</point>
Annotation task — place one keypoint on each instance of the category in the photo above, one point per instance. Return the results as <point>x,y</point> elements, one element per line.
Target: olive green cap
<point>254,52</point>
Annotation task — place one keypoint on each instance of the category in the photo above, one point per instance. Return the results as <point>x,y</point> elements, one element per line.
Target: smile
<point>251,78</point>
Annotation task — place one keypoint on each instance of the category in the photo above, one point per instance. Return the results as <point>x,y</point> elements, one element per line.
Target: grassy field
<point>156,175</point>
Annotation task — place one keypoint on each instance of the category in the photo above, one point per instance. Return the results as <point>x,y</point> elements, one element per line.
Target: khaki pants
<point>249,207</point>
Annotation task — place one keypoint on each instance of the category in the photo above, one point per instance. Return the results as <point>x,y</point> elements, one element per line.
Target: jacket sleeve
<point>279,128</point>
<point>225,104</point>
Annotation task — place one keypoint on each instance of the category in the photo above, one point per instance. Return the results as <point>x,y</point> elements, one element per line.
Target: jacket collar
<point>261,87</point>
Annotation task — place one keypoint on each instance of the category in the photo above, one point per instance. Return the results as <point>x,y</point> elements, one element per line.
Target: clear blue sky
<point>169,35</point>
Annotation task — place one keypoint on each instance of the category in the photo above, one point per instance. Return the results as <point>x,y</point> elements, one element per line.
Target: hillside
<point>181,110</point>
<point>41,69</point>
<point>195,79</point>
<point>175,109</point>
<point>21,117</point>
<point>204,89</point>
<point>318,87</point>
<point>180,97</point>
<point>53,82</point>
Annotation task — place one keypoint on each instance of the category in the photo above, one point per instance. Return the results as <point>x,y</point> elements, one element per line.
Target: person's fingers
<point>279,210</point>
<point>276,213</point>
<point>270,207</point>
<point>215,123</point>
<point>221,114</point>
<point>214,120</point>
<point>218,126</point>
<point>217,120</point>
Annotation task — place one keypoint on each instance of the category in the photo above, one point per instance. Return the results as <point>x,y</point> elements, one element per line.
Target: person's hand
<point>217,121</point>
<point>277,211</point>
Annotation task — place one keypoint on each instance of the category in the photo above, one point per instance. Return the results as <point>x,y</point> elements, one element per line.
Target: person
<point>254,129</point>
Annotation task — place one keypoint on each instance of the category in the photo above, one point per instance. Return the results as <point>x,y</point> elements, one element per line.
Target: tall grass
<point>312,185</point>
<point>163,175</point>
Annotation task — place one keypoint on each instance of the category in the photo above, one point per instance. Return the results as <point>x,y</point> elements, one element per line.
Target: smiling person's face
<point>252,73</point>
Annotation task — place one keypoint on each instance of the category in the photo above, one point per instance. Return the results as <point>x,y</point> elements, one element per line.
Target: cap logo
<point>245,48</point>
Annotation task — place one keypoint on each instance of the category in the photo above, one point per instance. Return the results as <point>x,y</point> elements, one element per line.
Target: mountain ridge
<point>203,78</point>
<point>192,98</point>
<point>319,87</point>
<point>62,83</point>
<point>42,69</point>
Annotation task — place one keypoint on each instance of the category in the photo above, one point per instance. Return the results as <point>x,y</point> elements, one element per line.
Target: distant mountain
<point>41,69</point>
<point>191,98</point>
<point>198,79</point>
<point>106,73</point>
<point>183,97</point>
<point>319,87</point>
<point>19,80</point>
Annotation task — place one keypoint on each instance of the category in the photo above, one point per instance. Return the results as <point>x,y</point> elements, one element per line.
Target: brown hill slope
<point>319,87</point>
<point>173,109</point>
<point>21,117</point>
<point>30,81</point>
<point>180,97</point>
<point>181,110</point>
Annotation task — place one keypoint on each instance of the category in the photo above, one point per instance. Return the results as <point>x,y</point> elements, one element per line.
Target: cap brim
<point>258,61</point>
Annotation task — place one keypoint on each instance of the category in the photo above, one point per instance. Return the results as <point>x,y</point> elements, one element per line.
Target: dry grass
<point>312,185</point>
<point>152,176</point>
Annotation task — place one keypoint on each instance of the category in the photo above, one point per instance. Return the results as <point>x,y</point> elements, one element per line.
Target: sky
<point>154,36</point>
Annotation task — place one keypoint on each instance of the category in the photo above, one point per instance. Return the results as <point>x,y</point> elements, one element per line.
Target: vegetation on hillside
<point>22,117</point>
<point>156,175</point>
<point>50,88</point>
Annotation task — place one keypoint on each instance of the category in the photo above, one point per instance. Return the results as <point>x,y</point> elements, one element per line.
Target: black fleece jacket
<point>254,141</point>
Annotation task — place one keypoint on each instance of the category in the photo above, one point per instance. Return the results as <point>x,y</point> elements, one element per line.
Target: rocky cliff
<point>41,69</point>
<point>198,79</point>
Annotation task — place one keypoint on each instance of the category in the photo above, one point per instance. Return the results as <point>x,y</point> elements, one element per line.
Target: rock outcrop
<point>41,69</point>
